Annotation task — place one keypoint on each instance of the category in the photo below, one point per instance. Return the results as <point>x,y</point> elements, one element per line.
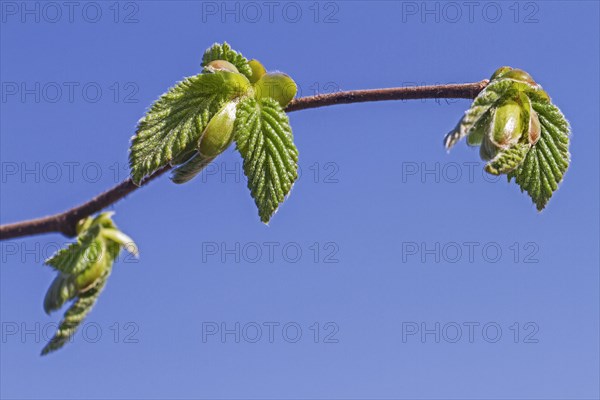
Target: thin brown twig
<point>65,222</point>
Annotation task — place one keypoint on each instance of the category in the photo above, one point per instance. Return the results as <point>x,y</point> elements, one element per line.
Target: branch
<point>66,221</point>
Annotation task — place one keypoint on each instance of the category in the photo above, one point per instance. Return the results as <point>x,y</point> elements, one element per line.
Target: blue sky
<point>394,269</point>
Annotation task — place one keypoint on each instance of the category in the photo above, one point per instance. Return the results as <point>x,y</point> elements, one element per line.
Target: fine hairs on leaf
<point>174,124</point>
<point>520,131</point>
<point>231,100</point>
<point>264,139</point>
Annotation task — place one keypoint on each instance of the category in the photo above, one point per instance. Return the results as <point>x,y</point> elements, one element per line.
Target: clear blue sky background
<point>367,206</point>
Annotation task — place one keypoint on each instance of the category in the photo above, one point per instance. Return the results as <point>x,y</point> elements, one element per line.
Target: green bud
<point>278,86</point>
<point>514,74</point>
<point>238,82</point>
<point>258,70</point>
<point>520,76</point>
<point>219,132</point>
<point>532,130</point>
<point>500,72</point>
<point>507,124</point>
<point>220,65</point>
<point>535,130</point>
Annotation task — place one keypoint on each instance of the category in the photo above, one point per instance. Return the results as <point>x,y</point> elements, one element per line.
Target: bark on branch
<point>65,222</point>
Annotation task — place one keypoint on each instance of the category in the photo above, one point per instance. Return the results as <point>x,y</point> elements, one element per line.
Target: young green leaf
<point>83,268</point>
<point>74,316</point>
<point>61,290</point>
<point>225,52</point>
<point>76,257</point>
<point>122,239</point>
<point>174,123</point>
<point>507,160</point>
<point>478,110</point>
<point>546,163</point>
<point>498,89</point>
<point>264,139</point>
<point>520,131</point>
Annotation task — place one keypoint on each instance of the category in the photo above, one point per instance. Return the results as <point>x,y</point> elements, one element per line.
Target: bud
<point>278,86</point>
<point>220,65</point>
<point>507,124</point>
<point>499,72</point>
<point>219,132</point>
<point>258,70</point>
<point>515,74</point>
<point>238,84</point>
<point>533,129</point>
<point>520,76</point>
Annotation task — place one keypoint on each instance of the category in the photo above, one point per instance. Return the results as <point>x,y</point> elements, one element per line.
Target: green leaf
<point>74,316</point>
<point>495,91</point>
<point>61,290</point>
<point>84,267</point>
<point>121,239</point>
<point>79,255</point>
<point>225,52</point>
<point>507,160</point>
<point>546,163</point>
<point>175,122</point>
<point>482,103</point>
<point>264,139</point>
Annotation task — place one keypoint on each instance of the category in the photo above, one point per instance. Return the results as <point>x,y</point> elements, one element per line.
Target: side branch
<point>66,221</point>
